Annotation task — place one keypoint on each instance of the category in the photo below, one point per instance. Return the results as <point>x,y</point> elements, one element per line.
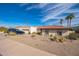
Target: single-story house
<point>54,30</point>
<point>47,30</point>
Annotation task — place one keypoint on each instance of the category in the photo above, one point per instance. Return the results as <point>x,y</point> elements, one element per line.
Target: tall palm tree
<point>69,19</point>
<point>61,22</point>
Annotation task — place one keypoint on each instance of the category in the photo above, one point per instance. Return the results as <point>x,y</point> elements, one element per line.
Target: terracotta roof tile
<point>50,27</point>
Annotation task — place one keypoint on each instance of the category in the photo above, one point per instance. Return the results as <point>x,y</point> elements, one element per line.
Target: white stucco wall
<point>54,32</point>
<point>50,32</point>
<point>33,29</point>
<point>68,32</point>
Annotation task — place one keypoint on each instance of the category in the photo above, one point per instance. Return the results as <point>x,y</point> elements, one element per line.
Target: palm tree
<point>61,22</point>
<point>69,19</point>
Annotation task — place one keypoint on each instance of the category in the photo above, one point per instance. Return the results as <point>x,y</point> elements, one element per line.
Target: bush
<point>39,33</point>
<point>61,39</point>
<point>28,32</point>
<point>3,29</point>
<point>33,34</point>
<point>72,36</point>
<point>12,33</point>
<point>52,38</point>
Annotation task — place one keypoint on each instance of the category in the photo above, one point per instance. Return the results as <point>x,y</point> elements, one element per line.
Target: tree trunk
<point>70,23</point>
<point>67,23</point>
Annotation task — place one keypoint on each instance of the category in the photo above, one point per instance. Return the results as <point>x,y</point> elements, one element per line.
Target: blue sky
<point>37,14</point>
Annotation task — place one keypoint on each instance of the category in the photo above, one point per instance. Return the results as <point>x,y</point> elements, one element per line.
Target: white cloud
<point>31,7</point>
<point>52,23</point>
<point>52,7</point>
<point>42,5</point>
<point>62,17</point>
<point>56,12</point>
<point>72,11</point>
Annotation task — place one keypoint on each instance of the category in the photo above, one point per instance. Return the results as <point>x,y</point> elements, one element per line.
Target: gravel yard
<point>10,47</point>
<point>67,48</point>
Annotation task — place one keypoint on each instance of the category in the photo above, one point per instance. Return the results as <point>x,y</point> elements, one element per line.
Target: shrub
<point>3,29</point>
<point>57,38</point>
<point>39,33</point>
<point>52,38</point>
<point>61,39</point>
<point>51,35</point>
<point>12,33</point>
<point>72,36</point>
<point>33,34</point>
<point>28,32</point>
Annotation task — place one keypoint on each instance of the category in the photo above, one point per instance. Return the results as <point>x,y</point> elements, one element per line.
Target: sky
<point>37,14</point>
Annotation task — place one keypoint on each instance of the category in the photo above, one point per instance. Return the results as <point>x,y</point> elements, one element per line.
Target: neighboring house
<point>23,28</point>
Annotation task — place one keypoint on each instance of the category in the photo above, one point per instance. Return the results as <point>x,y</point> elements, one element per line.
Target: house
<point>52,30</point>
<point>23,28</point>
<point>47,30</point>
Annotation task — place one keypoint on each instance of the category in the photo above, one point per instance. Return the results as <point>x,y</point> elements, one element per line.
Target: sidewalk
<point>12,48</point>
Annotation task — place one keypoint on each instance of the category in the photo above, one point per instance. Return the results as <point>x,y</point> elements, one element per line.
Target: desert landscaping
<point>67,47</point>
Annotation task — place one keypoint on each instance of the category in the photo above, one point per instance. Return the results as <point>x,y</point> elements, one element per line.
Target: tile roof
<point>50,27</point>
<point>43,27</point>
